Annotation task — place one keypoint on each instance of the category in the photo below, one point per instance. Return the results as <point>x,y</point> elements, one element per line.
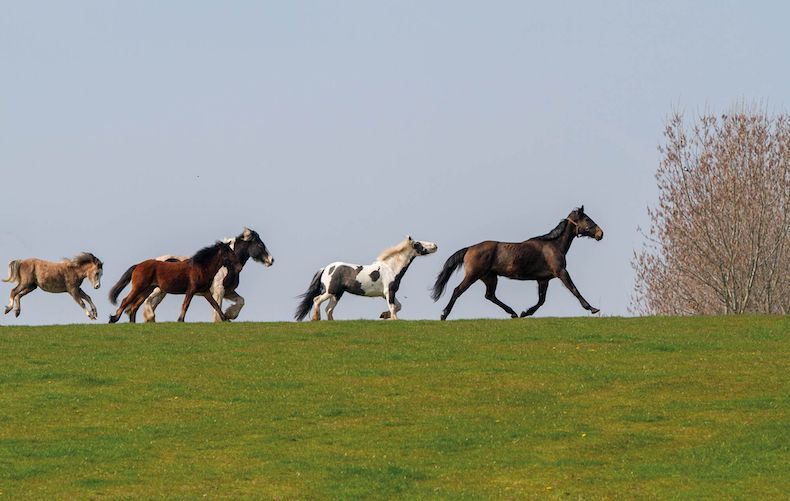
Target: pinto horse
<point>380,279</point>
<point>65,276</point>
<point>247,245</point>
<point>540,258</point>
<point>190,277</point>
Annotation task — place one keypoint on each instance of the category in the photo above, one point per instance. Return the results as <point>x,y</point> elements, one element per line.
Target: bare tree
<point>718,242</point>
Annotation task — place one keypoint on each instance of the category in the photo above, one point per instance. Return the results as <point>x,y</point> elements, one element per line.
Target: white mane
<point>396,250</point>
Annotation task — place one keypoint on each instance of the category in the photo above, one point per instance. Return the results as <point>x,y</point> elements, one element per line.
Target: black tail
<point>307,298</point>
<point>452,263</point>
<point>123,282</point>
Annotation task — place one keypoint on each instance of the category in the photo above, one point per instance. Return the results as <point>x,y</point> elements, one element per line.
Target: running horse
<point>65,276</point>
<point>540,258</point>
<point>246,245</point>
<point>380,279</point>
<point>190,277</point>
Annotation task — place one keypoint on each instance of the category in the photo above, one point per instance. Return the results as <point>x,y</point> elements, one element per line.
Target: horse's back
<point>49,276</point>
<point>517,260</point>
<point>358,279</point>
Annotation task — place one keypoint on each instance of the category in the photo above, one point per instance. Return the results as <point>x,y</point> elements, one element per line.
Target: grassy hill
<point>616,408</point>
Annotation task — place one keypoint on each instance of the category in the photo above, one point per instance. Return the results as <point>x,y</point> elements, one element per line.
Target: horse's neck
<point>565,240</point>
<point>242,250</point>
<point>399,261</point>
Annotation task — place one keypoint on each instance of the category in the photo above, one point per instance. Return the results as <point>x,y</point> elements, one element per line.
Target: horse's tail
<point>123,282</point>
<point>452,263</point>
<point>13,271</point>
<point>307,298</point>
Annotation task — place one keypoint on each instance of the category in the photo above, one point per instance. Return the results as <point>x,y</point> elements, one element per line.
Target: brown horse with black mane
<point>540,258</point>
<point>190,277</point>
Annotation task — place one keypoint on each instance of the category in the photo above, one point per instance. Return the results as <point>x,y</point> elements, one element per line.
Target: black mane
<point>555,233</point>
<point>204,256</point>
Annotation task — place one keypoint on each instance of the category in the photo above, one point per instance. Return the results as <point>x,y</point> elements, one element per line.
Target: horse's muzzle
<point>97,285</point>
<point>599,234</point>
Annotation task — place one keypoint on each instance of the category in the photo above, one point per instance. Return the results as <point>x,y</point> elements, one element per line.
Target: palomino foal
<point>65,276</point>
<point>380,279</point>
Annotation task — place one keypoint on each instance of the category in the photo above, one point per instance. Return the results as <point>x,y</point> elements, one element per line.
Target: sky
<point>335,128</point>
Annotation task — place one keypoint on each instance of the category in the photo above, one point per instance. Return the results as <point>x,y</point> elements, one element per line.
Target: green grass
<point>592,408</point>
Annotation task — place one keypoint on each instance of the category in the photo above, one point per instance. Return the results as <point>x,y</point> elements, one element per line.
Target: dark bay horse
<point>540,258</point>
<point>190,277</point>
<point>247,245</point>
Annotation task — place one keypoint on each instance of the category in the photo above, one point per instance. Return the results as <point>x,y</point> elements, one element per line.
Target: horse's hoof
<point>594,310</point>
<point>6,311</point>
<point>113,319</point>
<point>17,312</point>
<point>385,314</point>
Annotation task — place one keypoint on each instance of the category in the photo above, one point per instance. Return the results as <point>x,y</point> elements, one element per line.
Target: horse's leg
<point>465,284</point>
<point>133,296</point>
<point>185,305</point>
<point>216,307</point>
<point>394,307</point>
<point>317,304</point>
<point>218,293</point>
<point>132,309</point>
<point>151,302</point>
<point>238,303</point>
<point>87,298</point>
<point>491,281</point>
<point>566,279</point>
<point>543,285</point>
<point>25,290</point>
<point>78,295</point>
<point>330,308</point>
<point>12,298</point>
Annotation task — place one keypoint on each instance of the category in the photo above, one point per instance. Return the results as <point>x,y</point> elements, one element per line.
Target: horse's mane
<point>395,249</point>
<point>204,256</point>
<point>83,258</point>
<point>555,233</point>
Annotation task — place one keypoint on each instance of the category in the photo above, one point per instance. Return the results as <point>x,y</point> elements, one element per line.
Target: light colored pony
<point>65,276</point>
<point>246,245</point>
<point>380,279</point>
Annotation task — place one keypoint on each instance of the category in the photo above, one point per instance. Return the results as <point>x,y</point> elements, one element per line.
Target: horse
<point>540,258</point>
<point>65,276</point>
<point>247,245</point>
<point>380,279</point>
<point>190,277</point>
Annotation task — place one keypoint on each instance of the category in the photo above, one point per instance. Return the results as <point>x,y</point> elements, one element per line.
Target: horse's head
<point>422,247</point>
<point>91,266</point>
<point>585,226</point>
<point>256,248</point>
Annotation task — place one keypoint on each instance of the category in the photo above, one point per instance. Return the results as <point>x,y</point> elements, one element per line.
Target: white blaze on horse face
<point>430,247</point>
<point>95,278</point>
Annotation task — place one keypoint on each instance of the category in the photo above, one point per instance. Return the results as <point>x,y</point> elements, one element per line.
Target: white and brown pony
<point>247,245</point>
<point>65,276</point>
<point>190,277</point>
<point>380,279</point>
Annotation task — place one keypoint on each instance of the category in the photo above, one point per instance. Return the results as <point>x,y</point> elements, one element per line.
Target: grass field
<point>590,408</point>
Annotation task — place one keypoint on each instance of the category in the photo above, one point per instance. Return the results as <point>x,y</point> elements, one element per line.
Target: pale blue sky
<point>134,129</point>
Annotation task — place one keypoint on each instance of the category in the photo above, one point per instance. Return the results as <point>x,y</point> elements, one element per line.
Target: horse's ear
<point>581,209</point>
<point>408,237</point>
<point>246,234</point>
